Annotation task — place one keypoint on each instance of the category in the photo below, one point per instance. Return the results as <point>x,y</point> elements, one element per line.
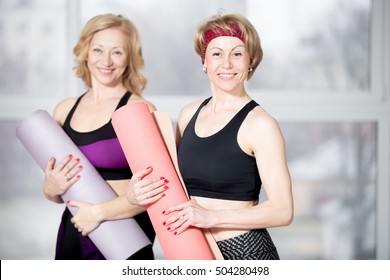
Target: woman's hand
<point>58,179</point>
<point>86,218</point>
<point>143,191</point>
<point>187,214</point>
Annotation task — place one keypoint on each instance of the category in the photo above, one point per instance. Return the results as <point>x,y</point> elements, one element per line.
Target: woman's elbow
<point>287,217</point>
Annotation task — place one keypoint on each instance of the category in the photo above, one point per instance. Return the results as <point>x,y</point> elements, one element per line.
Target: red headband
<point>214,33</point>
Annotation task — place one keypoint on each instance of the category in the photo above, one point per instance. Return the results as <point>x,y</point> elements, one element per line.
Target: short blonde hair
<point>132,79</point>
<point>235,24</point>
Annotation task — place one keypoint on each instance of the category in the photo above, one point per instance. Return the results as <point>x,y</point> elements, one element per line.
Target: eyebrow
<point>232,48</point>
<point>100,45</point>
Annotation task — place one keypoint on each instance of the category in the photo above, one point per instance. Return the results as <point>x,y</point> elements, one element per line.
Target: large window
<point>32,48</point>
<point>311,45</point>
<point>334,171</point>
<point>324,76</point>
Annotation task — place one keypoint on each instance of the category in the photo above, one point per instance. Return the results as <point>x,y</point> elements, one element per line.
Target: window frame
<point>284,105</point>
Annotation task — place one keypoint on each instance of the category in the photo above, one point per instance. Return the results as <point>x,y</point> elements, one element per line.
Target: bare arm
<point>133,195</point>
<point>261,137</point>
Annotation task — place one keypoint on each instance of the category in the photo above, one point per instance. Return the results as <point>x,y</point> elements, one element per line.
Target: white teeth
<point>226,75</point>
<point>106,70</point>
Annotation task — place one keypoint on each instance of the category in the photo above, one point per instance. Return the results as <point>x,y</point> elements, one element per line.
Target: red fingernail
<point>77,159</point>
<point>168,228</point>
<point>68,201</point>
<point>80,166</point>
<point>148,167</point>
<point>162,178</point>
<point>70,155</point>
<point>175,233</point>
<point>166,187</point>
<point>78,176</point>
<point>166,181</point>
<point>163,195</point>
<point>163,212</point>
<point>164,223</point>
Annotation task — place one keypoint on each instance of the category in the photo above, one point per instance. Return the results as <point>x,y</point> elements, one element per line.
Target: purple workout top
<point>101,146</point>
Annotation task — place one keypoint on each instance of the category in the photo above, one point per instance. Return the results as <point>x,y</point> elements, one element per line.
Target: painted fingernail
<point>68,201</point>
<point>80,166</point>
<point>162,178</point>
<point>169,228</point>
<point>164,223</point>
<point>77,159</point>
<point>78,176</point>
<point>175,233</point>
<point>166,187</point>
<point>163,195</point>
<point>163,212</point>
<point>166,181</point>
<point>70,155</point>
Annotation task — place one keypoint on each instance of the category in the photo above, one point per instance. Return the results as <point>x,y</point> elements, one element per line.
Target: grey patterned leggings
<point>252,245</point>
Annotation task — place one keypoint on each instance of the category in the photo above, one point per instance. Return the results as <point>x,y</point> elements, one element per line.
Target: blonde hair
<point>132,79</point>
<point>230,22</point>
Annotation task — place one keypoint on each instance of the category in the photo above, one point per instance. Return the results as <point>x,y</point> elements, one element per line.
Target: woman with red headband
<point>229,147</point>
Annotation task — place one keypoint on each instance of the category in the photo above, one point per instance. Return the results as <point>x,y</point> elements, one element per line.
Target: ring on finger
<point>181,217</point>
<point>66,178</point>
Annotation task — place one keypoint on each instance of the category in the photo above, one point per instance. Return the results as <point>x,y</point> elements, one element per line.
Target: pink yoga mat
<point>144,146</point>
<point>44,138</point>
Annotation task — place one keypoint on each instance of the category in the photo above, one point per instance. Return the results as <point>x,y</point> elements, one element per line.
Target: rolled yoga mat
<point>143,145</point>
<point>44,138</point>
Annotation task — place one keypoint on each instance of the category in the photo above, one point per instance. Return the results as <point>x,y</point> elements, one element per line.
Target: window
<point>310,45</point>
<point>324,77</point>
<point>33,56</point>
<point>334,171</point>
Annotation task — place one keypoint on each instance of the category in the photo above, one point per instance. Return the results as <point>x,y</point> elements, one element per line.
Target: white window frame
<point>372,105</point>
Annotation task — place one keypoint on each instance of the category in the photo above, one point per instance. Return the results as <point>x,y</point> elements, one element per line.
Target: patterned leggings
<point>252,245</point>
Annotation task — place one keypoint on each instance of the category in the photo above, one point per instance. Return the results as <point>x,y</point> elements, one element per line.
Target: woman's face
<point>107,58</point>
<point>227,62</point>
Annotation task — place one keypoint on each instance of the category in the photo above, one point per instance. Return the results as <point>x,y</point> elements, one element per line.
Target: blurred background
<point>325,76</point>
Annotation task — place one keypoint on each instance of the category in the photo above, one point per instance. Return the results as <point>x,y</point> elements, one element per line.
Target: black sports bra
<point>215,166</point>
<point>101,146</point>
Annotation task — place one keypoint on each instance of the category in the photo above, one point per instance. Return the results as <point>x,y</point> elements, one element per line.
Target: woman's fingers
<point>178,222</point>
<point>50,165</point>
<point>61,165</point>
<point>151,190</point>
<point>141,174</point>
<point>144,191</point>
<point>66,169</point>
<point>71,176</point>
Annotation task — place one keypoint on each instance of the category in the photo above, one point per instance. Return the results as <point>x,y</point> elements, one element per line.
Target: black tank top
<point>101,146</point>
<point>215,166</point>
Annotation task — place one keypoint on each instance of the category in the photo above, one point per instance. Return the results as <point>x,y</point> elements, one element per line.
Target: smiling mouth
<point>106,71</point>
<point>226,76</point>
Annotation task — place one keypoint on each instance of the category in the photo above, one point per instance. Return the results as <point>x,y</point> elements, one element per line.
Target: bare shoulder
<point>63,108</point>
<point>137,98</point>
<point>187,112</point>
<point>260,123</point>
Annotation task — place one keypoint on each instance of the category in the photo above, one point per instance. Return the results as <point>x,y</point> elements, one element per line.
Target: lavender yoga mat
<point>144,146</point>
<point>44,138</point>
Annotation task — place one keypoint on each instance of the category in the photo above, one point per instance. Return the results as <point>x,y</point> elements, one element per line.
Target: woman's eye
<point>97,50</point>
<point>237,54</point>
<point>217,54</point>
<point>118,53</point>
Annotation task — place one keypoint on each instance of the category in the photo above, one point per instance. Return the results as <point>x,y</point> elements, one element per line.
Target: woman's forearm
<point>118,208</point>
